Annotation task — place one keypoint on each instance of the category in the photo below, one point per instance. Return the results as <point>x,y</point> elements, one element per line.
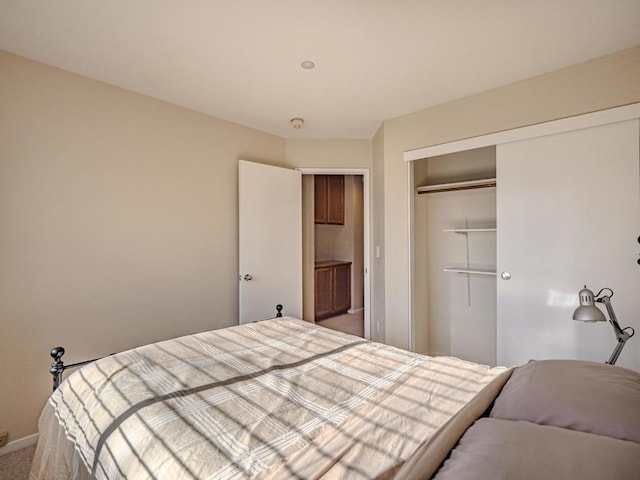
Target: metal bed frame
<point>58,367</point>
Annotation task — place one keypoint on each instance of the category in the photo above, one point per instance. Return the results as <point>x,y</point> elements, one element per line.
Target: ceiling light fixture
<point>297,123</point>
<point>307,64</point>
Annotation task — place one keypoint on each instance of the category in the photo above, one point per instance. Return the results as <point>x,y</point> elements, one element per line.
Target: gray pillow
<point>578,395</point>
<point>500,449</point>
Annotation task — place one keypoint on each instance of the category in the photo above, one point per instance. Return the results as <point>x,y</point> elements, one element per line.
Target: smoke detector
<point>297,123</point>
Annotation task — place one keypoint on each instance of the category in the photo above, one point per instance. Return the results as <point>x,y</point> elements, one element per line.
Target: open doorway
<point>336,249</point>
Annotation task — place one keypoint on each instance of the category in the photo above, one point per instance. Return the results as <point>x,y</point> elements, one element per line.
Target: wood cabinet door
<point>335,197</point>
<point>342,288</point>
<point>324,292</point>
<point>329,199</point>
<point>321,200</point>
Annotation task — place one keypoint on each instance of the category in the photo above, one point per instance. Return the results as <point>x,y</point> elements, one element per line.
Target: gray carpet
<point>16,465</point>
<point>352,323</point>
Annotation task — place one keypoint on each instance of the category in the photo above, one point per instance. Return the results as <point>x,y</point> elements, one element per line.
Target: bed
<point>281,398</point>
<point>552,419</point>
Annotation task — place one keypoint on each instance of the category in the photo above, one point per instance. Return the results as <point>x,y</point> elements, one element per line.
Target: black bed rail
<point>58,367</point>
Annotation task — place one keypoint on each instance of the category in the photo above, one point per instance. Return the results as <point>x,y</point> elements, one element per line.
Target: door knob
<point>248,277</point>
<point>506,275</point>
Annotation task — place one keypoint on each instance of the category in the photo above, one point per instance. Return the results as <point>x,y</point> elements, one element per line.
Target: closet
<point>455,255</point>
<point>566,212</point>
<point>568,215</point>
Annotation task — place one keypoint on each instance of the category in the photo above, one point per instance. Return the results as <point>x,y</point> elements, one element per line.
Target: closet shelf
<point>469,230</point>
<point>449,187</point>
<point>474,270</point>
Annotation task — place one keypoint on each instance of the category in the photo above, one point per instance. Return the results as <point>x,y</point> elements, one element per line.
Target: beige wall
<point>118,217</point>
<point>377,238</point>
<point>118,222</point>
<point>595,85</point>
<point>118,213</point>
<point>331,153</point>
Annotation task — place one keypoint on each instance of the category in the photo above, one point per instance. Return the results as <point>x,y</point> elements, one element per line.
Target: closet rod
<point>449,187</point>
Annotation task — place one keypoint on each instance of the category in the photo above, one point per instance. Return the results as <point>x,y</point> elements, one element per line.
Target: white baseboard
<point>355,310</point>
<point>18,444</point>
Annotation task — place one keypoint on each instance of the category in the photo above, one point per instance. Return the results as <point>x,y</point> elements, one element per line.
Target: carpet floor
<point>352,323</point>
<point>16,465</point>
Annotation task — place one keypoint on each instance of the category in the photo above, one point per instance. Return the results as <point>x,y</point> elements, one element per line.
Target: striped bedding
<point>275,399</point>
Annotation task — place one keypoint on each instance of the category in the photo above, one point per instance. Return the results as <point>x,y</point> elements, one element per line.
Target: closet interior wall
<point>455,313</point>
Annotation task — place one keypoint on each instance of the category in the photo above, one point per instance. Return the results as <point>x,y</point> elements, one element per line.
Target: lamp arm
<point>621,335</point>
<point>616,352</point>
<point>613,320</point>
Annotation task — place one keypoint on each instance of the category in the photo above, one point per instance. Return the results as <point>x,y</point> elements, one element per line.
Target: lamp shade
<point>587,311</point>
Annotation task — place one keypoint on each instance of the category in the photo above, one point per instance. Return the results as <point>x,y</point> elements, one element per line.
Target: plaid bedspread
<point>280,398</point>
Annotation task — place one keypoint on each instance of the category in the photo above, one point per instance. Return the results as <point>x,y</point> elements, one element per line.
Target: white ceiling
<point>375,59</point>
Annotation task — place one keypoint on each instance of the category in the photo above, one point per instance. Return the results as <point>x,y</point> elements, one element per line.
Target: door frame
<point>366,234</point>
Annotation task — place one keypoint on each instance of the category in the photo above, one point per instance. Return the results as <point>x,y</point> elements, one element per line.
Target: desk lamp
<point>588,312</point>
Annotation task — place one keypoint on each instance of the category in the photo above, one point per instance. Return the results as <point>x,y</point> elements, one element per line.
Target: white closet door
<point>568,214</point>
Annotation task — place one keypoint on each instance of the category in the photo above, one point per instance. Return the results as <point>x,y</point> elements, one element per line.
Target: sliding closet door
<point>568,214</point>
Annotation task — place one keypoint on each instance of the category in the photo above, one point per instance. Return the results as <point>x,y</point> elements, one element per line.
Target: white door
<point>568,214</point>
<point>270,241</point>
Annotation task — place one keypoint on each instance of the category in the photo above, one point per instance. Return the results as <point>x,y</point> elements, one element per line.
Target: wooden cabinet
<point>324,292</point>
<point>329,199</point>
<point>332,288</point>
